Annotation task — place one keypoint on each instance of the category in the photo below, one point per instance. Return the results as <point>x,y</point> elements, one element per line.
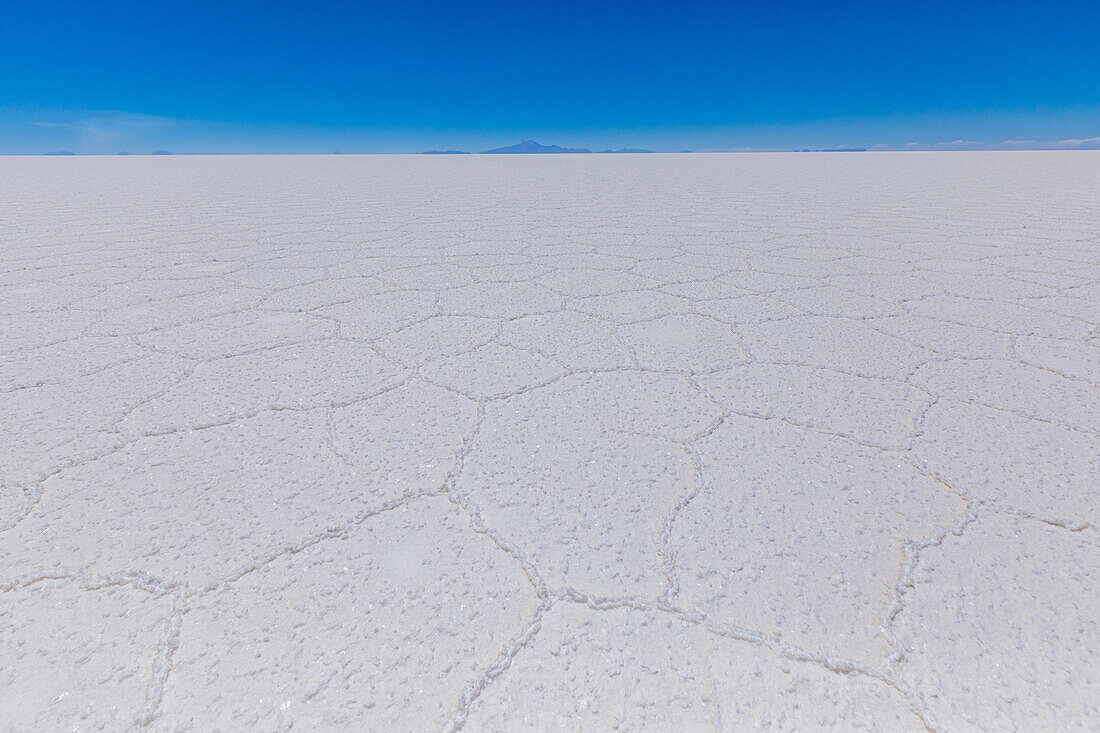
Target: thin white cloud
<point>1089,143</point>
<point>108,131</point>
<point>1080,142</point>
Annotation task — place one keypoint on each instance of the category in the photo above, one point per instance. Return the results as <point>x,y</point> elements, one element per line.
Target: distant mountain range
<point>525,147</point>
<point>530,146</point>
<point>833,150</point>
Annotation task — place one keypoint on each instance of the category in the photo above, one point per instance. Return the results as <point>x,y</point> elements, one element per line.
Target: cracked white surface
<point>53,630</point>
<point>629,669</point>
<point>1039,676</point>
<point>656,442</point>
<point>335,634</point>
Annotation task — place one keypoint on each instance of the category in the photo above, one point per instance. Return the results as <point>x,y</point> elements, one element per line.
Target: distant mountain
<point>161,152</point>
<point>530,146</point>
<point>60,152</point>
<point>627,150</point>
<point>450,152</point>
<point>832,150</point>
<point>123,152</point>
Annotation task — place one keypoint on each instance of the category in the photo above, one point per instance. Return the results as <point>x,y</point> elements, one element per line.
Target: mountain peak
<point>530,146</point>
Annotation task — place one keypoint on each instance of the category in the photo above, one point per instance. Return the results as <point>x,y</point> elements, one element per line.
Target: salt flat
<point>670,442</point>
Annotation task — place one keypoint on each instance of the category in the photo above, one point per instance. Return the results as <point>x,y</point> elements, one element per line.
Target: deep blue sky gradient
<point>404,76</point>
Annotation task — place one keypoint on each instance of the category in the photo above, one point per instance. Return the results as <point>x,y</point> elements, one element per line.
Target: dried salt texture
<point>526,443</point>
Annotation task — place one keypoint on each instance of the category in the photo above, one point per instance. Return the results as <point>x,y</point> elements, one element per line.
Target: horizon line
<point>458,154</point>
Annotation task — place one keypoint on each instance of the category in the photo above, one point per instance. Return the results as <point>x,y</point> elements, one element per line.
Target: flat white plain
<point>668,442</point>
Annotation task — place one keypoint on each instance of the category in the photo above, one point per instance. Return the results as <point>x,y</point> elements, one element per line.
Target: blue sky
<point>100,77</point>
